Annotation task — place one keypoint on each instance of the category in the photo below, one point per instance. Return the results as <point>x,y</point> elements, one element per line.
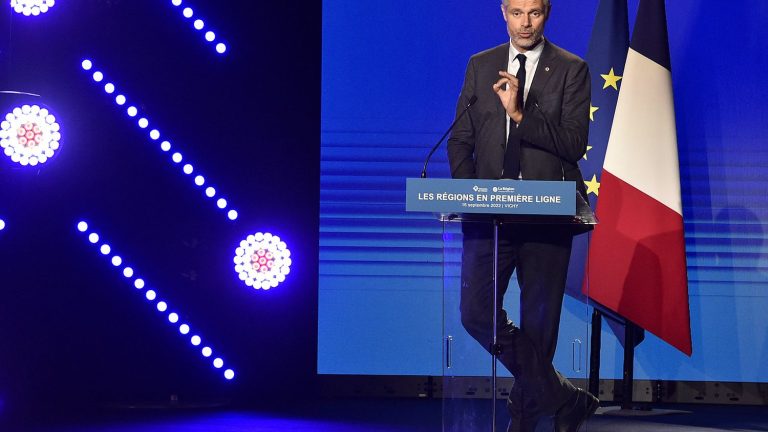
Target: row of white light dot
<point>31,7</point>
<point>199,24</point>
<point>154,134</point>
<point>151,295</point>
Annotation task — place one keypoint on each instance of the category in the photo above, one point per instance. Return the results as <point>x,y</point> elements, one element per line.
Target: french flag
<point>637,263</point>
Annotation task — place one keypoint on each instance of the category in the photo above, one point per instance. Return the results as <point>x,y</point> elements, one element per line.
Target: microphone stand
<point>472,101</point>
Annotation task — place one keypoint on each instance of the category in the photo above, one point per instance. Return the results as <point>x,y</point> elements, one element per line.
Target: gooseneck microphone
<point>472,101</point>
<point>553,136</point>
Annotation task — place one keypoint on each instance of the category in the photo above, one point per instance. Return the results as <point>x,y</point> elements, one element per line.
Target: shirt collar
<point>531,56</point>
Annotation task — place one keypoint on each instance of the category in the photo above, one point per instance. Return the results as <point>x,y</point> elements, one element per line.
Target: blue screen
<point>392,72</point>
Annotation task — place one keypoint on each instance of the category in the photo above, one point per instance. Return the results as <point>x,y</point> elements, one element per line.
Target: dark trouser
<point>540,254</point>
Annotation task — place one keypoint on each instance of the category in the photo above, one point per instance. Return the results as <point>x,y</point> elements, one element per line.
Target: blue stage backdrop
<point>391,76</point>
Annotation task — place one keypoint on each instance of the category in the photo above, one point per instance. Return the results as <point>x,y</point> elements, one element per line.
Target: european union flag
<point>606,57</point>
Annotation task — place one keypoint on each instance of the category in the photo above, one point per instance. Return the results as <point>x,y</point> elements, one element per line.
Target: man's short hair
<point>547,5</point>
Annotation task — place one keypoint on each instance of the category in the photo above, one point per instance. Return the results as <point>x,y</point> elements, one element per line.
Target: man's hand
<point>508,96</point>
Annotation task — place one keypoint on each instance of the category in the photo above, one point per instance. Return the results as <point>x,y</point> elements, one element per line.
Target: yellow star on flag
<point>592,110</point>
<point>611,80</point>
<point>593,186</point>
<point>589,147</point>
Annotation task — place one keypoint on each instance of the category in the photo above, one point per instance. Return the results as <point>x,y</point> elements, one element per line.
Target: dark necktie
<point>512,154</point>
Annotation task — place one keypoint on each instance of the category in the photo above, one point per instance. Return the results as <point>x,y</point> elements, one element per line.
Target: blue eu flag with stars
<point>606,57</point>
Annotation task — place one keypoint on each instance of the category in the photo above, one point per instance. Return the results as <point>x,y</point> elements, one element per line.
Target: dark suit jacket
<point>561,86</point>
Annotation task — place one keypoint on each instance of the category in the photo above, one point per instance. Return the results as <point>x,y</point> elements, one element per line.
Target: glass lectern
<point>476,385</point>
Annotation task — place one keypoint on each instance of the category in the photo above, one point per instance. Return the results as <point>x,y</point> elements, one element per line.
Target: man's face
<point>525,22</point>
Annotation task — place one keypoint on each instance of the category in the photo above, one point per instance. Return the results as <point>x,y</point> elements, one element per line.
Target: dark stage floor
<point>373,415</point>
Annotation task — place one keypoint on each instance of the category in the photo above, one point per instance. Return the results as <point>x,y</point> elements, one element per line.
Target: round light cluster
<point>32,7</point>
<point>262,261</point>
<point>29,135</point>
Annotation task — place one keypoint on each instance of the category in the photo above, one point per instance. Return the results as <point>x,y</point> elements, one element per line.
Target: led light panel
<point>32,7</point>
<point>155,135</point>
<point>199,25</point>
<point>29,135</point>
<point>162,306</point>
<point>262,261</point>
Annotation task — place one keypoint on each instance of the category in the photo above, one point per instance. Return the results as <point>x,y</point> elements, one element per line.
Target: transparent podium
<point>475,383</point>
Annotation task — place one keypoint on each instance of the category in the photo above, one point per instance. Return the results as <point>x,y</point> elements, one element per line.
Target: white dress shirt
<point>531,63</point>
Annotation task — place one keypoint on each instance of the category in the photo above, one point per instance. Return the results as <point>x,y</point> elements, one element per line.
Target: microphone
<point>555,138</point>
<point>472,101</point>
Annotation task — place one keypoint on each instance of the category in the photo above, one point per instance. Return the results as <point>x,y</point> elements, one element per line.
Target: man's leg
<point>477,281</point>
<point>543,256</point>
<point>542,269</point>
<point>534,375</point>
<point>543,260</point>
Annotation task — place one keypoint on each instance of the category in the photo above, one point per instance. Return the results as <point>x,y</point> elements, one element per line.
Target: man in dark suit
<point>530,122</point>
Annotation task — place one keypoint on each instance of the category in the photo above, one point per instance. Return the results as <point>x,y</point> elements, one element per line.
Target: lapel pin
<point>546,69</point>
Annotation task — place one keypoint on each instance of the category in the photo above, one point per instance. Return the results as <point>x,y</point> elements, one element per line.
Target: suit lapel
<point>544,71</point>
<point>504,64</point>
<point>500,111</point>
